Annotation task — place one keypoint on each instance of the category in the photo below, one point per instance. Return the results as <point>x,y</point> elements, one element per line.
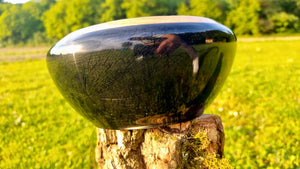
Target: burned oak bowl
<point>143,72</point>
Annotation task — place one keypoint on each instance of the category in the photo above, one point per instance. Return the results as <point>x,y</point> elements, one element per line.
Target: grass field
<point>259,105</point>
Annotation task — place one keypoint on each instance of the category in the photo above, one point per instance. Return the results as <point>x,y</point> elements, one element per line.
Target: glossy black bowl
<point>143,72</point>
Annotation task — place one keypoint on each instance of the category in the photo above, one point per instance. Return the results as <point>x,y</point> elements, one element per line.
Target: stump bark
<point>175,146</point>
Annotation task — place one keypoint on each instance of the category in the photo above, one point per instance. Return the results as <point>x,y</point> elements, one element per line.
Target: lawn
<point>259,106</point>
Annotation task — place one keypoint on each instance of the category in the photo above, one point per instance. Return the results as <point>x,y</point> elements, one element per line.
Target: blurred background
<point>259,103</point>
<point>45,21</point>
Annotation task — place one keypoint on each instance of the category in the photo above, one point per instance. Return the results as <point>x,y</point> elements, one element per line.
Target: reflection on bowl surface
<point>143,72</point>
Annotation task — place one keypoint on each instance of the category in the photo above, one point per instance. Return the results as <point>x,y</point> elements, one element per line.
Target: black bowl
<point>143,72</point>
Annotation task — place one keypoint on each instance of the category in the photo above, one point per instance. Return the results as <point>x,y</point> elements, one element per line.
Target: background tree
<point>279,16</point>
<point>244,17</point>
<point>112,10</point>
<point>67,16</point>
<point>46,4</point>
<point>4,7</point>
<point>35,10</point>
<point>40,21</point>
<point>137,8</point>
<point>212,9</point>
<point>284,22</point>
<point>17,25</point>
<point>21,23</point>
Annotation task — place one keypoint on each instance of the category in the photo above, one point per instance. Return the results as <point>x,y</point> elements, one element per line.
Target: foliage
<point>134,8</point>
<point>244,18</point>
<point>54,20</point>
<point>137,8</point>
<point>19,23</point>
<point>112,10</point>
<point>279,16</point>
<point>22,23</point>
<point>38,39</point>
<point>206,8</point>
<point>4,7</point>
<point>67,16</point>
<point>284,22</point>
<point>12,22</point>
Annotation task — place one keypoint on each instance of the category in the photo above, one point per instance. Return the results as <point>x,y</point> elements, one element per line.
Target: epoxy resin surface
<point>143,72</point>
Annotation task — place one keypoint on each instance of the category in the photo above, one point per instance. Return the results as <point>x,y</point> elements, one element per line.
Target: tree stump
<point>183,145</point>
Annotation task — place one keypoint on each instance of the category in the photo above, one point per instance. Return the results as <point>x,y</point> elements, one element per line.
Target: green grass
<point>259,105</point>
<point>38,128</point>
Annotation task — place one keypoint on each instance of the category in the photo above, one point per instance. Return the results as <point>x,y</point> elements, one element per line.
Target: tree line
<point>46,21</point>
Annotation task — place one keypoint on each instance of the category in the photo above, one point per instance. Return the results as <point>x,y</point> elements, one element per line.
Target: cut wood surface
<point>175,146</point>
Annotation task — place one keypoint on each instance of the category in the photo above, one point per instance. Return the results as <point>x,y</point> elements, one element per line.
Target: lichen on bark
<point>195,155</point>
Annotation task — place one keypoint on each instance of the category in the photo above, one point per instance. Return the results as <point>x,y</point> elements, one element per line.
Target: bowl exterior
<point>143,75</point>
